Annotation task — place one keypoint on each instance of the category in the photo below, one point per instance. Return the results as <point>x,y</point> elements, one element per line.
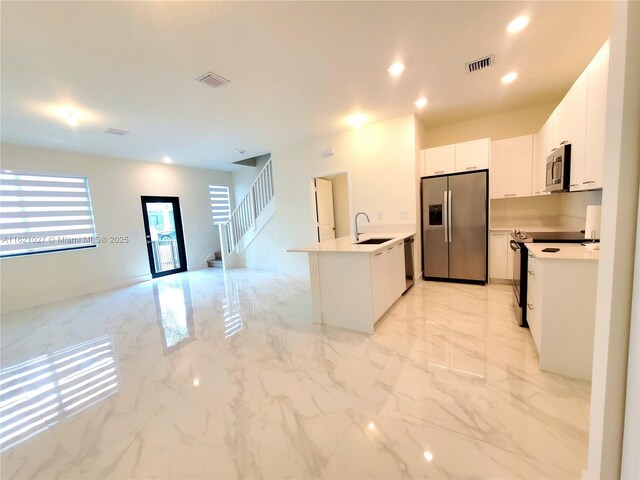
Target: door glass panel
<point>164,242</point>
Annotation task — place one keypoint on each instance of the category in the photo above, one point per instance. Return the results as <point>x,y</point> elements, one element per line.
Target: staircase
<point>250,216</point>
<point>216,261</point>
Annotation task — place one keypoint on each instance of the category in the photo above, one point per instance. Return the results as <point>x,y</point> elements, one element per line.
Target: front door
<point>165,239</point>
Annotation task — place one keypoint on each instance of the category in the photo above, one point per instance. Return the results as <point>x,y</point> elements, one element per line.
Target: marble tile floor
<point>213,375</point>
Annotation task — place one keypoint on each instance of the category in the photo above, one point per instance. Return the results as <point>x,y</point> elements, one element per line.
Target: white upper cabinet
<point>473,155</point>
<point>439,160</point>
<point>458,157</point>
<point>573,125</point>
<point>580,120</point>
<point>596,119</point>
<point>542,147</point>
<point>511,167</point>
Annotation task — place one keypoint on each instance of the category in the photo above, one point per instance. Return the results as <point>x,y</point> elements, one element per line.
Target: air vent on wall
<point>480,64</point>
<point>212,79</point>
<point>115,131</point>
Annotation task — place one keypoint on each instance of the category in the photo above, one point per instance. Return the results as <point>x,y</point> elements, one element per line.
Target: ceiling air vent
<point>212,79</point>
<point>115,131</point>
<point>480,64</point>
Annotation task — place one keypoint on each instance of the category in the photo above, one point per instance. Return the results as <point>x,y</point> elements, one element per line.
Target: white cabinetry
<point>511,163</point>
<point>500,256</point>
<point>458,157</point>
<point>596,120</point>
<point>439,160</point>
<point>580,120</point>
<point>572,124</point>
<point>473,155</point>
<point>542,147</point>
<point>378,283</point>
<point>561,313</point>
<point>387,277</point>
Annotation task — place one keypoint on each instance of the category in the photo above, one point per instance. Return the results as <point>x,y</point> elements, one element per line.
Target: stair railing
<point>248,210</point>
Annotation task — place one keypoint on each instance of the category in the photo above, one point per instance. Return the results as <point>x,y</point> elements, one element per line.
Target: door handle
<point>445,222</point>
<point>588,182</point>
<point>449,220</point>
<point>471,168</point>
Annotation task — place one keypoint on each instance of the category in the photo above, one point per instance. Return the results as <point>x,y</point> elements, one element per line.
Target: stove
<point>547,237</point>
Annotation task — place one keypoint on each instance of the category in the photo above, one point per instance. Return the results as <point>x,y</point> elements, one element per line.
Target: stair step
<point>214,263</point>
<point>218,255</point>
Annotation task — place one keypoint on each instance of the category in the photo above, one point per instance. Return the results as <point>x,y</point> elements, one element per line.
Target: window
<point>44,213</point>
<point>220,203</point>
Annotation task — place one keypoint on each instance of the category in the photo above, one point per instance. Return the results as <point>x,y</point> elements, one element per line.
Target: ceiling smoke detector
<point>212,79</point>
<point>480,64</point>
<point>115,131</point>
<point>241,151</point>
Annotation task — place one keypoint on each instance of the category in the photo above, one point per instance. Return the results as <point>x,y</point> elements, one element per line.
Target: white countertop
<point>527,228</point>
<point>348,245</point>
<point>568,251</point>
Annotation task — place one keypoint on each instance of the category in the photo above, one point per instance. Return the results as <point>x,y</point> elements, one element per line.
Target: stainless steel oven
<point>558,169</point>
<point>518,250</point>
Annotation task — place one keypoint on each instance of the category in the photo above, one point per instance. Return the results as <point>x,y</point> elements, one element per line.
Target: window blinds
<point>44,213</point>
<point>220,203</point>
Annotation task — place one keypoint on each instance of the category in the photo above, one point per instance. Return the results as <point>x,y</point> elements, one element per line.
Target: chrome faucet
<point>357,232</point>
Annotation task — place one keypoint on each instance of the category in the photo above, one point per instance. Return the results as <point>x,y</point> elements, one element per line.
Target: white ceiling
<point>297,69</point>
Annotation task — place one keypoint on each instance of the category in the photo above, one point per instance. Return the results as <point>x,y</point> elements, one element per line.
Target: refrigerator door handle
<point>449,215</point>
<point>446,223</point>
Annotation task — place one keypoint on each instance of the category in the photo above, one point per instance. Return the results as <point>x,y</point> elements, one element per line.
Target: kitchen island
<point>354,284</point>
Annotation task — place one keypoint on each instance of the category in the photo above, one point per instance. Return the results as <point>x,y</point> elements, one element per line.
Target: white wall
<point>116,186</point>
<point>380,159</point>
<point>514,123</point>
<point>617,251</point>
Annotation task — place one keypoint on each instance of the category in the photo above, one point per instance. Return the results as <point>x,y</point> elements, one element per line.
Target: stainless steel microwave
<point>558,170</point>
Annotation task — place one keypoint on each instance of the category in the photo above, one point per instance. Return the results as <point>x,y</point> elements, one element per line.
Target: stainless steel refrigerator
<point>454,227</point>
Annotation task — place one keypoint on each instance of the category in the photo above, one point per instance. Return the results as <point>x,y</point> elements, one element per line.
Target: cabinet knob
<point>530,307</point>
<point>531,255</point>
<point>532,273</point>
<point>378,254</point>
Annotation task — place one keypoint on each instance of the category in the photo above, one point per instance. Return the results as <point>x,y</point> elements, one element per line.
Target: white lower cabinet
<point>500,256</point>
<point>378,283</point>
<point>561,313</point>
<point>387,277</point>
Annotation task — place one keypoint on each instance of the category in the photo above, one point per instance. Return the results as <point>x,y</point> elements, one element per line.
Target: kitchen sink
<point>373,241</point>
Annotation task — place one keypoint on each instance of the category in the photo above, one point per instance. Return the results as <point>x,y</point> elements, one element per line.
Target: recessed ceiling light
<point>509,77</point>
<point>371,426</point>
<point>166,159</point>
<point>71,117</point>
<point>357,120</point>
<point>421,102</point>
<point>428,456</point>
<point>196,382</point>
<point>518,24</point>
<point>396,69</point>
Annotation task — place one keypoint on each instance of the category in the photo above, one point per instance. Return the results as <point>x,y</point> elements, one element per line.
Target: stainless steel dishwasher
<point>408,263</point>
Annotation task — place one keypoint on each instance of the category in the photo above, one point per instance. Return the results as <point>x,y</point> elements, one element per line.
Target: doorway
<point>165,238</point>
<point>330,201</point>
